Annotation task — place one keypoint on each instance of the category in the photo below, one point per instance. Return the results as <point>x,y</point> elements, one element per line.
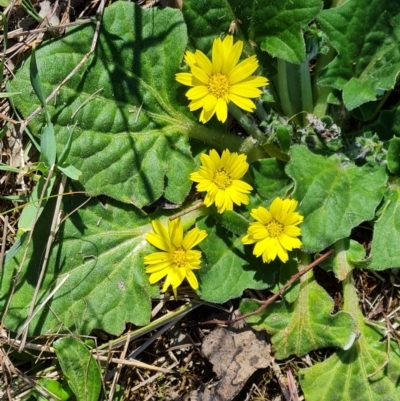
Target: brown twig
<point>265,303</point>
<point>186,211</point>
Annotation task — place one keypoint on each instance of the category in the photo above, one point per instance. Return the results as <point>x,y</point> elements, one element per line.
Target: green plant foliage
<point>131,135</point>
<point>348,255</point>
<point>121,130</point>
<point>229,267</point>
<point>334,197</point>
<point>388,124</point>
<point>365,34</point>
<point>55,388</point>
<point>365,372</point>
<point>80,369</point>
<point>386,238</point>
<point>100,249</point>
<point>270,178</point>
<point>275,25</point>
<point>393,156</point>
<point>305,325</point>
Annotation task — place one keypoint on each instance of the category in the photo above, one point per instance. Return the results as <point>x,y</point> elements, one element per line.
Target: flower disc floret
<point>220,177</point>
<point>177,259</point>
<point>275,230</point>
<point>222,80</point>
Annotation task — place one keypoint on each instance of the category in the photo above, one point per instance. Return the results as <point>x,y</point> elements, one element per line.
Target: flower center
<point>275,228</point>
<point>219,85</point>
<point>179,257</point>
<point>222,179</point>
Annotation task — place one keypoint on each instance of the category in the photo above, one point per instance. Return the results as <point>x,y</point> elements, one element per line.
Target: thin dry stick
<point>20,32</point>
<point>186,211</point>
<point>53,231</point>
<point>118,370</point>
<point>275,296</point>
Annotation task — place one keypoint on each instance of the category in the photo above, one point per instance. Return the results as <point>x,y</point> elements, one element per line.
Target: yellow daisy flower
<point>220,178</point>
<point>275,231</point>
<point>220,81</point>
<point>177,259</point>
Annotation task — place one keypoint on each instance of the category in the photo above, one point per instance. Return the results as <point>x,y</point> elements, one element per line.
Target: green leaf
<point>284,135</point>
<point>270,178</point>
<point>132,118</point>
<point>228,267</point>
<point>99,253</point>
<point>70,171</point>
<point>393,156</point>
<point>275,25</point>
<point>79,367</point>
<point>365,372</point>
<point>55,388</point>
<point>348,254</point>
<point>365,34</point>
<point>35,79</point>
<point>48,146</point>
<point>305,325</point>
<point>232,221</point>
<point>30,212</point>
<point>386,237</point>
<point>290,268</point>
<point>334,197</point>
<point>388,124</point>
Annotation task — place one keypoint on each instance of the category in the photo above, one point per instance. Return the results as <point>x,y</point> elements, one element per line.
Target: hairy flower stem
<point>257,135</point>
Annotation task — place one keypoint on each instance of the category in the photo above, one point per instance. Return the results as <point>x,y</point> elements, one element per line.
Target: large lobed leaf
<point>304,325</point>
<point>365,372</point>
<point>99,250</point>
<point>132,122</point>
<point>385,243</point>
<point>274,25</point>
<point>333,197</point>
<point>366,35</point>
<point>229,267</point>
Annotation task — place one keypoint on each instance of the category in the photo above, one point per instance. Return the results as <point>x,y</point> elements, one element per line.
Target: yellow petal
<point>190,58</point>
<point>154,277</point>
<point>242,186</point>
<point>232,57</point>
<point>276,207</point>
<point>282,254</point>
<point>197,92</point>
<point>247,240</point>
<point>157,257</point>
<point>193,237</point>
<point>243,70</point>
<point>227,45</point>
<point>262,215</point>
<point>177,277</point>
<point>203,62</point>
<point>176,232</point>
<point>184,78</point>
<point>222,110</point>
<point>196,104</point>
<point>217,56</point>
<point>200,75</point>
<point>242,102</point>
<point>245,90</point>
<point>158,241</point>
<point>255,81</point>
<point>206,115</point>
<point>158,267</point>
<point>214,156</point>
<point>192,279</point>
<point>209,102</point>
